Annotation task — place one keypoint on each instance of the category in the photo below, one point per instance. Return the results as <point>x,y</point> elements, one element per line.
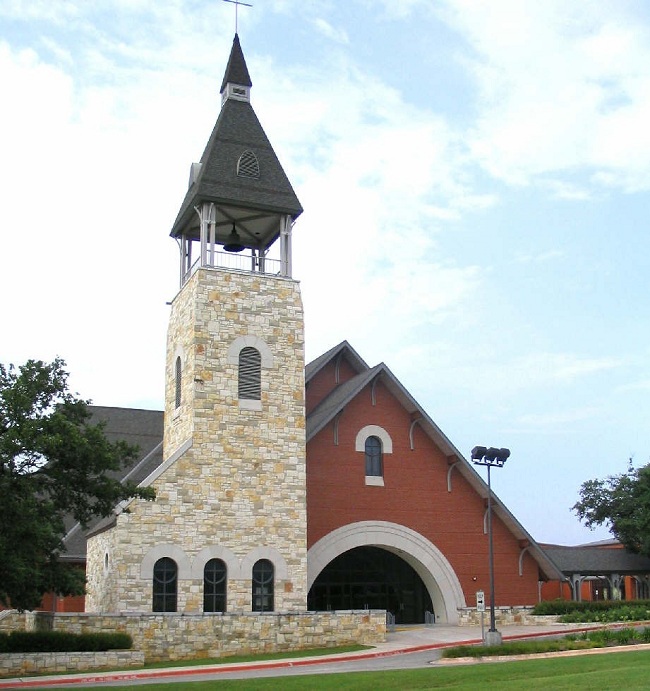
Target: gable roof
<point>335,402</point>
<point>342,349</point>
<point>145,427</point>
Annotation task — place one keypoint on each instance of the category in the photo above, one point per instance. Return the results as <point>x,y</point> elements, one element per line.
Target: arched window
<point>214,586</point>
<point>248,166</point>
<point>250,374</point>
<point>374,457</point>
<point>177,380</point>
<point>165,585</point>
<point>263,582</point>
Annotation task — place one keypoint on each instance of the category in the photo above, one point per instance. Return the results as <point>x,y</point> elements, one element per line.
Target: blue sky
<point>475,180</point>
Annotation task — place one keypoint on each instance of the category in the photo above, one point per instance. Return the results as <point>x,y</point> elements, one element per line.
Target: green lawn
<point>629,670</point>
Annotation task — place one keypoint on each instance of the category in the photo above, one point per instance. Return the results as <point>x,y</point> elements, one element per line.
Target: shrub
<point>62,642</point>
<point>632,610</point>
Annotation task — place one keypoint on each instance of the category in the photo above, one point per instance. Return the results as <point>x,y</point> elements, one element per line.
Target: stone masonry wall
<point>504,616</point>
<point>238,491</point>
<point>178,637</point>
<point>20,664</point>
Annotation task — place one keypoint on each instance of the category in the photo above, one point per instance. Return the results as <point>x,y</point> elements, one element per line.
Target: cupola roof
<point>239,171</point>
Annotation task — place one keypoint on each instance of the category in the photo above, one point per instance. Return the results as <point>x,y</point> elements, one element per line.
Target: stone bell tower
<point>234,410</point>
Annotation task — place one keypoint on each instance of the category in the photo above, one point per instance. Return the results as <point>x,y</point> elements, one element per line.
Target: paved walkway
<point>404,641</point>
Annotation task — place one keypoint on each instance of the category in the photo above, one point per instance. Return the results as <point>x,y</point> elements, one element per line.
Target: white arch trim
<point>373,431</point>
<point>428,561</point>
<point>173,552</point>
<point>216,552</point>
<point>279,564</point>
<point>250,342</point>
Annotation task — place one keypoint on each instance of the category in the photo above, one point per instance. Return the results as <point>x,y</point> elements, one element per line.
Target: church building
<point>283,486</point>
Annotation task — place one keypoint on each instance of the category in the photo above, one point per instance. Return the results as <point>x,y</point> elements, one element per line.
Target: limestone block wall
<point>233,482</point>
<point>178,637</point>
<point>504,616</point>
<point>20,664</point>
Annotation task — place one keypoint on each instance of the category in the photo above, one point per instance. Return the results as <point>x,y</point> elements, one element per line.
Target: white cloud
<point>326,29</point>
<point>560,89</point>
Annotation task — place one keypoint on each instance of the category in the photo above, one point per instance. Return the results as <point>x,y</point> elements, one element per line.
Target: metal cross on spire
<point>237,3</point>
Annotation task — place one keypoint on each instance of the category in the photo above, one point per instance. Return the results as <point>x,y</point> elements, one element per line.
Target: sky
<point>475,180</point>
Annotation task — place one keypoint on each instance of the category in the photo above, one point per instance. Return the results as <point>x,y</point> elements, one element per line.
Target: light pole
<point>490,457</point>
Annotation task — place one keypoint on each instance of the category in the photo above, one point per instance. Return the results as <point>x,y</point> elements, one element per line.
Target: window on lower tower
<point>250,374</point>
<point>177,382</point>
<point>374,457</point>
<point>165,585</point>
<point>263,586</point>
<point>214,586</point>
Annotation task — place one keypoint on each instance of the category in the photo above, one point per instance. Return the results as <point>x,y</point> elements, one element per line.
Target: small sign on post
<point>480,607</point>
<point>480,601</point>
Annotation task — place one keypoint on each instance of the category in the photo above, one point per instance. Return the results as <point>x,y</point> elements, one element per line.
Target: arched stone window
<point>263,586</point>
<point>165,585</point>
<point>375,442</point>
<point>250,374</point>
<point>177,382</point>
<point>215,578</point>
<point>374,457</point>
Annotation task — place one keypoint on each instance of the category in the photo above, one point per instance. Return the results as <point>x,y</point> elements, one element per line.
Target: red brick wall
<point>415,495</point>
<point>321,384</point>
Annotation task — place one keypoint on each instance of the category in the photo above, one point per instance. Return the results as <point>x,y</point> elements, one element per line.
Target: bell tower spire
<point>239,198</point>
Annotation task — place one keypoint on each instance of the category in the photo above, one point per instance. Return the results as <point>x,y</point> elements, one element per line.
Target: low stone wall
<point>521,616</point>
<point>21,664</point>
<point>177,636</point>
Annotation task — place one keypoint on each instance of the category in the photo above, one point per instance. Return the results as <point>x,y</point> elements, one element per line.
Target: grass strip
<point>627,671</point>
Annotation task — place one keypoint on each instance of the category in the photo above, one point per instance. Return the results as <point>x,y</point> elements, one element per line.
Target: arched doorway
<point>417,551</point>
<point>371,578</point>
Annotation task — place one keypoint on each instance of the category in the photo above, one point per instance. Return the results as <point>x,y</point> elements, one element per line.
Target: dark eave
<point>343,349</point>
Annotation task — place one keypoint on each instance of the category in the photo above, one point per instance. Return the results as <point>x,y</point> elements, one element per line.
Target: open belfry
<point>231,489</point>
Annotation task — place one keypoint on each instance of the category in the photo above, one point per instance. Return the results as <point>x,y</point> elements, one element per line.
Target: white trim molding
<point>249,342</point>
<point>373,431</point>
<point>173,552</point>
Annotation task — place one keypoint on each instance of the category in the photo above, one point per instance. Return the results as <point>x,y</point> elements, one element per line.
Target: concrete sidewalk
<point>403,641</point>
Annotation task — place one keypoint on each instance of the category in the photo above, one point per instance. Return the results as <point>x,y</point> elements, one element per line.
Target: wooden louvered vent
<point>250,379</point>
<point>248,166</point>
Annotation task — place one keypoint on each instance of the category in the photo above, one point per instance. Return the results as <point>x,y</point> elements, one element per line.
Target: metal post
<point>489,457</point>
<point>493,626</point>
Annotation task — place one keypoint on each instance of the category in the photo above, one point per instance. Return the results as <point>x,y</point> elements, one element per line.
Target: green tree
<point>54,464</point>
<point>622,502</point>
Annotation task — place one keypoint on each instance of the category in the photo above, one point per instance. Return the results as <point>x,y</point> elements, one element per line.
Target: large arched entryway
<point>371,578</point>
<point>408,547</point>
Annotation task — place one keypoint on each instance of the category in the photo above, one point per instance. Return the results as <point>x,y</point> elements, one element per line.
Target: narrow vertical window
<point>214,586</point>
<point>374,461</point>
<point>263,586</point>
<point>178,373</point>
<point>250,374</point>
<point>165,584</point>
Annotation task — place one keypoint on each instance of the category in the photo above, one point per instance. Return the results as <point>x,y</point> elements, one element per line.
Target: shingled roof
<point>143,428</point>
<point>597,561</point>
<point>237,131</point>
